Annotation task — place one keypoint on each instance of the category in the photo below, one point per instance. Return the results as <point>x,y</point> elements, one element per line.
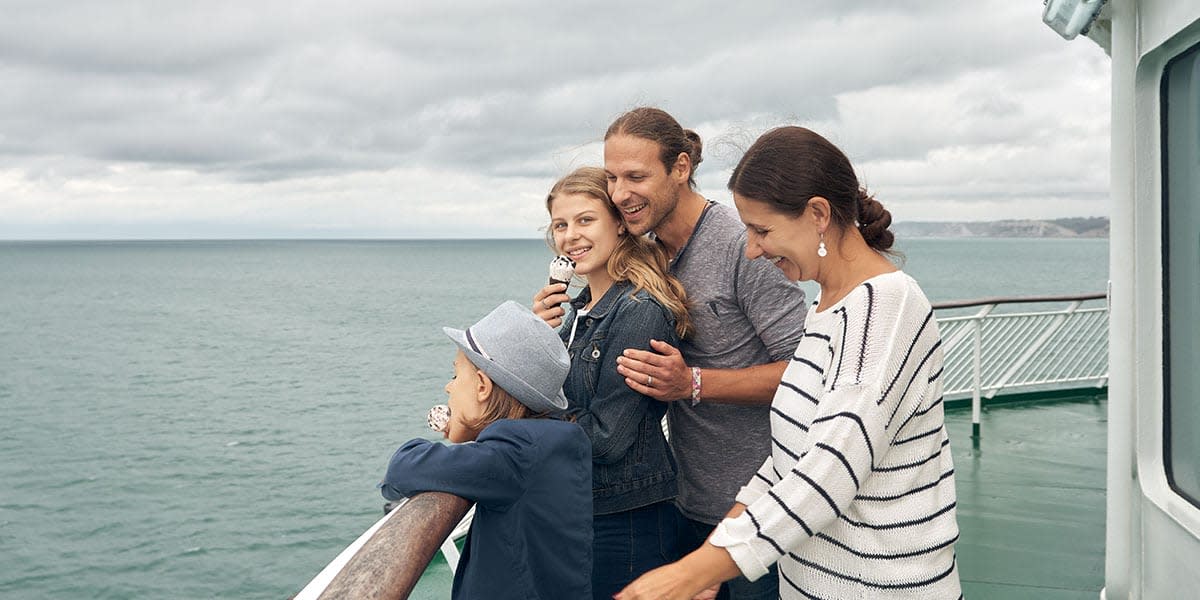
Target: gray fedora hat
<point>520,352</point>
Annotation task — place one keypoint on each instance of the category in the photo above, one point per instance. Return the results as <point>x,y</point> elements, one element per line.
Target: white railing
<point>989,352</point>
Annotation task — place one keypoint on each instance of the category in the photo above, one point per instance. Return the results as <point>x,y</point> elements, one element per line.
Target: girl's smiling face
<point>586,230</point>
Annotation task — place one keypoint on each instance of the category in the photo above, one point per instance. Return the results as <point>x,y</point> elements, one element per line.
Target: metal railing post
<point>977,367</point>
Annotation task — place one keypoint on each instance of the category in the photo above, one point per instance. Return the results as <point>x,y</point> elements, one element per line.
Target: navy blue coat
<point>531,481</point>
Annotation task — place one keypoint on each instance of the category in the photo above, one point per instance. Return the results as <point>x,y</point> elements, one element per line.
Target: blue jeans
<point>692,535</point>
<point>627,544</point>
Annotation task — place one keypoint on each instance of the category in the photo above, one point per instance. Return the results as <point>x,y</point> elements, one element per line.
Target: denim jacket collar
<point>604,304</point>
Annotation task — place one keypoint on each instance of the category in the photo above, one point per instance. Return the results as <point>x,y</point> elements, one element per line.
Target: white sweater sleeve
<point>758,485</point>
<point>848,436</point>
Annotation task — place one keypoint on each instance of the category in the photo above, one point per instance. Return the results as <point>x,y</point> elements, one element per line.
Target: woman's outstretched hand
<point>547,303</point>
<point>695,576</point>
<point>669,582</point>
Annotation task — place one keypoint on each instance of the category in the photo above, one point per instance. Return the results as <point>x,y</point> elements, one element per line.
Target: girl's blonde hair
<point>635,259</point>
<point>503,405</point>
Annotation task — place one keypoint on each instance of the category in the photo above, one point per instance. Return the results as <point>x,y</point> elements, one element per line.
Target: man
<point>748,320</point>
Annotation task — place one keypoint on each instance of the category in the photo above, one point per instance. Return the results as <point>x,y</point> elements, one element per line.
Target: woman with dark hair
<point>628,301</point>
<point>857,498</point>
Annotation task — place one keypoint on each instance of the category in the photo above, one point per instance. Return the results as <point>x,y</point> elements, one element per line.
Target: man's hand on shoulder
<point>660,374</point>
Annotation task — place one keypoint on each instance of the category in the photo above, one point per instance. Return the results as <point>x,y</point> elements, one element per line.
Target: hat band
<point>474,346</point>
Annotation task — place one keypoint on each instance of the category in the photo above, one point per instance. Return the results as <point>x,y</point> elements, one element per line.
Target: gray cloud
<point>244,97</point>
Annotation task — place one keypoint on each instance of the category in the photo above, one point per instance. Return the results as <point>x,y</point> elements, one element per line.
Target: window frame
<point>1190,53</point>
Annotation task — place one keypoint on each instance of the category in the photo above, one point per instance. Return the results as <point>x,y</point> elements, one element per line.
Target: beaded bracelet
<point>695,386</point>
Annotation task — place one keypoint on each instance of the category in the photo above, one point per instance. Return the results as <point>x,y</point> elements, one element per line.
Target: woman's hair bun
<point>873,222</point>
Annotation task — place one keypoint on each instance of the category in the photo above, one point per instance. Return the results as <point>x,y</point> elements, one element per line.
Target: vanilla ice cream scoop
<point>439,418</point>
<point>562,269</point>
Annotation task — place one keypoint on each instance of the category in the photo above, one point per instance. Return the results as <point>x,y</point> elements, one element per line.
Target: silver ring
<point>649,380</point>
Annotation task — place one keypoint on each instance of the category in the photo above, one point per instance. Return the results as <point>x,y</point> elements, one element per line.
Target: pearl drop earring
<point>821,251</point>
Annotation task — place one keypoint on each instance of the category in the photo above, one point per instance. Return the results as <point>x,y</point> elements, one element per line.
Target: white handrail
<point>1023,351</point>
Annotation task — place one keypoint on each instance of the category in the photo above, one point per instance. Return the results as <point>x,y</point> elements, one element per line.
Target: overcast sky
<point>452,119</point>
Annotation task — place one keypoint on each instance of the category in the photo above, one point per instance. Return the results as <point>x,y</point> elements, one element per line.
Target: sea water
<point>208,419</point>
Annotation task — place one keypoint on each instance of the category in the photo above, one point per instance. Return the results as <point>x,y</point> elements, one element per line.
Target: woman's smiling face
<point>789,242</point>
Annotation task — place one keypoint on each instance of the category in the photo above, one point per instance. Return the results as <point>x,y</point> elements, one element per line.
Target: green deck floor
<point>1031,499</point>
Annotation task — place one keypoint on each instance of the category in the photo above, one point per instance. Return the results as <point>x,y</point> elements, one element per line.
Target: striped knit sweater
<point>857,498</point>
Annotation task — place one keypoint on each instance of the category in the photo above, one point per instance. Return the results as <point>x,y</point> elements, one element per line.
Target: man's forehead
<point>628,153</point>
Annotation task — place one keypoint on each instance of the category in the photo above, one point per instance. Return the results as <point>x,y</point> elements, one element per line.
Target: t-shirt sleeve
<point>773,304</point>
<point>491,470</point>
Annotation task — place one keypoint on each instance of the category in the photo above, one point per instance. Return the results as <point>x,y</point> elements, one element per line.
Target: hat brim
<point>515,386</point>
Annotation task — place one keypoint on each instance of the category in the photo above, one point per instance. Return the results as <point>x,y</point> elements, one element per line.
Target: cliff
<point>1077,227</point>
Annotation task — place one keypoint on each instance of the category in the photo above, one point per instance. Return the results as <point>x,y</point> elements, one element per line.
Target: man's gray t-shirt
<point>745,313</point>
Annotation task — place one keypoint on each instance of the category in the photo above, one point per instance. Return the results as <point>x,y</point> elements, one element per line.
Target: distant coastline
<point>1077,227</point>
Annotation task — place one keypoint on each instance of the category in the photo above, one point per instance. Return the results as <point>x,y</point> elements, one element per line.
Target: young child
<point>530,477</point>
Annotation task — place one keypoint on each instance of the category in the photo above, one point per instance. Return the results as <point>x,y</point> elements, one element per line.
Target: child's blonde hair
<point>500,405</point>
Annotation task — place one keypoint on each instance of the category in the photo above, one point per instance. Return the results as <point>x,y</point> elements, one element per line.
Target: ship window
<point>1181,272</point>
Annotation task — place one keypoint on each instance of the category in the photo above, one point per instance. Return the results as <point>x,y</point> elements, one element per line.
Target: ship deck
<point>1031,499</point>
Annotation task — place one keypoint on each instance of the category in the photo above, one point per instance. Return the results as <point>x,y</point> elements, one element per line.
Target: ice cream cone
<point>562,269</point>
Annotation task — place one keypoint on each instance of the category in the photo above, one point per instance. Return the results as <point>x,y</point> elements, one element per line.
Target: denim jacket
<point>632,465</point>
